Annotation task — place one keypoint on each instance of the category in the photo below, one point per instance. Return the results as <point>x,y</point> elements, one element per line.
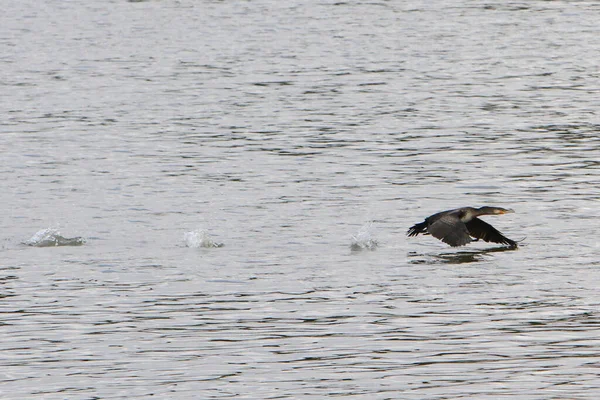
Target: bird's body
<point>458,227</point>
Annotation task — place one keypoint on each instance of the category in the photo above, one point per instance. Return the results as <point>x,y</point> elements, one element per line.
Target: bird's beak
<point>508,211</point>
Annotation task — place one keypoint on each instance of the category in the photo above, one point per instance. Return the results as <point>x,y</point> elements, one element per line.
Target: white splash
<point>364,239</point>
<point>51,237</point>
<point>200,238</point>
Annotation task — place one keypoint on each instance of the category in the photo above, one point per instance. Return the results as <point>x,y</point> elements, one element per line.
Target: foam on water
<point>200,238</point>
<point>364,239</point>
<point>51,237</point>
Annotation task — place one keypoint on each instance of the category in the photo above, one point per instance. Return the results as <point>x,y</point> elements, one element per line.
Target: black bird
<point>459,226</point>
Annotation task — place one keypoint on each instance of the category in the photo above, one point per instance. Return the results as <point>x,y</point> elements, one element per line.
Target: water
<point>244,173</point>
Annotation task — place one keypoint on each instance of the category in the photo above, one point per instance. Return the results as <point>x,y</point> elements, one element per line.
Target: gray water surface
<point>221,160</point>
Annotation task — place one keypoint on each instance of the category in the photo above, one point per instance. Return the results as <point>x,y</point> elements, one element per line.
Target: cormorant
<point>459,226</point>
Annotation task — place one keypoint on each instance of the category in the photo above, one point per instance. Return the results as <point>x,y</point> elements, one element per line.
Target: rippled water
<point>243,175</point>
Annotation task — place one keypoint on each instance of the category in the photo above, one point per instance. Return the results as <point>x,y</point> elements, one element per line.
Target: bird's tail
<point>417,228</point>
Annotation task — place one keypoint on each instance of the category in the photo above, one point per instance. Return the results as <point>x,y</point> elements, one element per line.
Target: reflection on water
<point>455,257</point>
<point>281,128</point>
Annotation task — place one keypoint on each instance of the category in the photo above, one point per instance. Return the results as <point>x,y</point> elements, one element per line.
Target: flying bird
<point>461,226</point>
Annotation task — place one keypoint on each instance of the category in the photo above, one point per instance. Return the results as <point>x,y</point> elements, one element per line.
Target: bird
<point>458,227</point>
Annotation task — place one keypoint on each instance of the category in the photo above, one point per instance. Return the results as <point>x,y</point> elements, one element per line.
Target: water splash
<point>51,237</point>
<point>200,238</point>
<point>364,239</point>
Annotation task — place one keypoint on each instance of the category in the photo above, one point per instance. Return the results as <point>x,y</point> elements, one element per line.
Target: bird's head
<point>494,211</point>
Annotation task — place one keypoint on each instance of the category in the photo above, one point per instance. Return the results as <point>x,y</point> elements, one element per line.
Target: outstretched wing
<point>450,229</point>
<point>482,230</point>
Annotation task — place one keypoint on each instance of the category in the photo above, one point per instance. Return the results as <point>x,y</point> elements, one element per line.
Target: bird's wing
<point>450,229</point>
<point>482,230</point>
<point>418,228</point>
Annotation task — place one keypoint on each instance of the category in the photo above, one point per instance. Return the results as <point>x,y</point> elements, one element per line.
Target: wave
<point>200,238</point>
<point>51,237</point>
<point>364,239</point>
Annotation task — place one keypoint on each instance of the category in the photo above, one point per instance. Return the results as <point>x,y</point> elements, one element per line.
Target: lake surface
<point>233,181</point>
